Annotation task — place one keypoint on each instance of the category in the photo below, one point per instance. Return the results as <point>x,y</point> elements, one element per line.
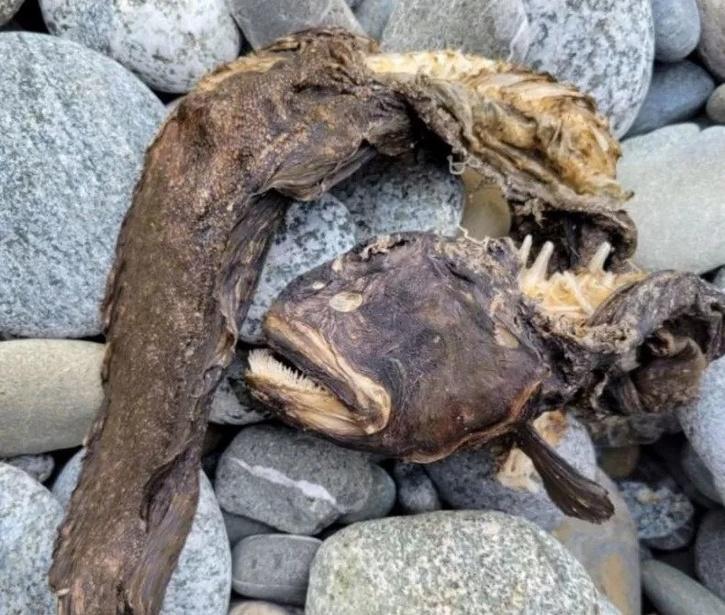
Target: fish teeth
<point>596,264</point>
<point>262,362</point>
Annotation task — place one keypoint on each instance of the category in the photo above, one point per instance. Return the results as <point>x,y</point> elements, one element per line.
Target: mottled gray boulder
<point>677,28</point>
<point>674,593</point>
<point>677,92</point>
<point>201,582</point>
<point>170,44</point>
<point>712,39</point>
<point>291,480</point>
<point>605,47</point>
<point>373,16</point>
<point>263,21</point>
<point>50,391</point>
<point>416,193</point>
<point>416,491</point>
<point>379,502</point>
<point>491,28</point>
<point>311,234</point>
<point>274,567</point>
<point>8,8</point>
<point>716,105</point>
<point>676,175</point>
<point>461,562</point>
<point>73,131</point>
<point>40,467</point>
<point>28,519</point>
<point>698,473</point>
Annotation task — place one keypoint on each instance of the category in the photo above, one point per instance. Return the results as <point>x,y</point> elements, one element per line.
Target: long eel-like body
<point>289,121</point>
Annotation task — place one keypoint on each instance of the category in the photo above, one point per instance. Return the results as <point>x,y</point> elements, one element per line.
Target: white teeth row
<point>263,363</point>
<point>538,271</point>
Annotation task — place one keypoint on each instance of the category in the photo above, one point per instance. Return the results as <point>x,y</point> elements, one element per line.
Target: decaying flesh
<point>415,346</point>
<point>291,121</point>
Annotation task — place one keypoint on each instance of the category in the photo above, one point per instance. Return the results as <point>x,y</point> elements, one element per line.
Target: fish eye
<point>346,301</point>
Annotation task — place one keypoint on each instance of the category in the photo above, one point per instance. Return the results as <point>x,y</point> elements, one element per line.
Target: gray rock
<point>170,44</point>
<point>491,28</point>
<point>263,21</point>
<point>710,552</point>
<point>312,234</point>
<point>8,8</point>
<point>380,501</point>
<point>674,593</point>
<point>609,551</point>
<point>704,423</point>
<point>201,582</point>
<point>274,567</point>
<point>719,280</point>
<point>461,562</point>
<point>408,194</point>
<point>712,39</point>
<point>605,47</point>
<point>232,402</point>
<point>239,527</point>
<point>40,467</point>
<point>70,162</point>
<point>477,479</point>
<point>416,491</point>
<point>676,93</point>
<point>677,28</point>
<point>675,173</point>
<point>28,519</point>
<point>50,391</point>
<point>716,105</point>
<point>373,16</point>
<point>291,480</point>
<point>699,474</point>
<point>259,607</point>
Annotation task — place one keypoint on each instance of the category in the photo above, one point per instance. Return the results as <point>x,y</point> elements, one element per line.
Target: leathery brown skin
<point>290,120</point>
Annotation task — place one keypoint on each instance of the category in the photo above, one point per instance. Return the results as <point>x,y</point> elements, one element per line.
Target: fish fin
<point>573,493</point>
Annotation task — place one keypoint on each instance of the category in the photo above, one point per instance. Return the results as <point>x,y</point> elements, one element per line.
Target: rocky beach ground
<point>288,522</point>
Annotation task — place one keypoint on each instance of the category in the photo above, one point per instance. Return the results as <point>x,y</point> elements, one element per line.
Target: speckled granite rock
<point>373,16</point>
<point>8,8</point>
<point>263,21</point>
<point>28,518</point>
<point>605,47</point>
<point>40,467</point>
<point>712,39</point>
<point>710,552</point>
<point>50,391</point>
<point>416,491</point>
<point>716,105</point>
<point>677,28</point>
<point>69,165</point>
<point>461,562</point>
<point>491,28</point>
<point>170,44</point>
<point>380,500</point>
<point>201,582</point>
<point>312,233</point>
<point>291,480</point>
<point>674,593</point>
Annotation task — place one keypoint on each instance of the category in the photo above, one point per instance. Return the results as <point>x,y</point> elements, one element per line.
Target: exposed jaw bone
<point>572,295</point>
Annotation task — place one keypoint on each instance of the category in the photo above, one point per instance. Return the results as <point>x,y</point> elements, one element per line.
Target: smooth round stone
<point>263,21</point>
<point>40,467</point>
<point>699,474</point>
<point>201,582</point>
<point>491,28</point>
<point>609,551</point>
<point>474,479</point>
<point>261,607</point>
<point>416,193</point>
<point>239,527</point>
<point>416,491</point>
<point>674,593</point>
<point>710,552</point>
<point>274,567</point>
<point>73,131</point>
<point>373,16</point>
<point>461,562</point>
<point>704,423</point>
<point>29,516</point>
<point>8,8</point>
<point>380,500</point>
<point>50,391</point>
<point>712,39</point>
<point>170,44</point>
<point>677,92</point>
<point>291,480</point>
<point>312,233</point>
<point>677,28</point>
<point>716,105</point>
<point>604,47</point>
<point>676,175</point>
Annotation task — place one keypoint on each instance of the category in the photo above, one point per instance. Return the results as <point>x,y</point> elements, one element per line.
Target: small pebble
<point>677,28</point>
<point>8,8</point>
<point>710,552</point>
<point>380,501</point>
<point>674,593</point>
<point>40,467</point>
<point>699,474</point>
<point>260,607</point>
<point>716,105</point>
<point>416,491</point>
<point>618,462</point>
<point>712,39</point>
<point>239,527</point>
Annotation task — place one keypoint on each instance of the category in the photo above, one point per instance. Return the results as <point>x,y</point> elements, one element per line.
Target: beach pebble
<point>674,593</point>
<point>415,193</point>
<point>8,8</point>
<point>29,516</point>
<point>73,131</point>
<point>712,39</point>
<point>605,47</point>
<point>169,44</point>
<point>201,582</point>
<point>239,527</point>
<point>274,567</point>
<point>675,173</point>
<point>699,474</point>
<point>40,467</point>
<point>716,105</point>
<point>379,502</point>
<point>261,607</point>
<point>416,491</point>
<point>710,552</point>
<point>491,28</point>
<point>677,92</point>
<point>373,16</point>
<point>312,233</point>
<point>677,28</point>
<point>50,391</point>
<point>263,21</point>
<point>462,562</point>
<point>291,480</point>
